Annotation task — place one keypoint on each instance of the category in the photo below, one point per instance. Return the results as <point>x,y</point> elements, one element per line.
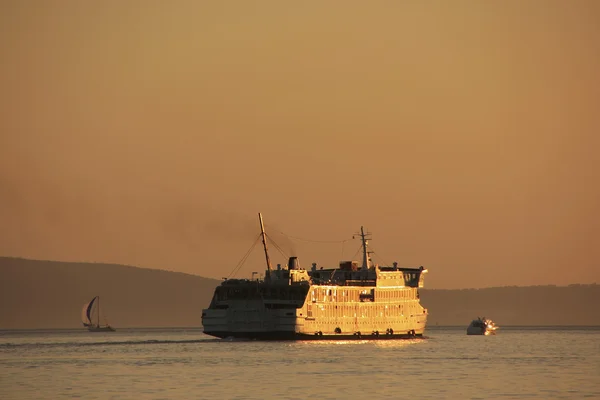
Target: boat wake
<point>106,343</point>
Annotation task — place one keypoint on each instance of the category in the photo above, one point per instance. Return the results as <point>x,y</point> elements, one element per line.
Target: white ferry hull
<point>318,321</point>
<point>275,335</point>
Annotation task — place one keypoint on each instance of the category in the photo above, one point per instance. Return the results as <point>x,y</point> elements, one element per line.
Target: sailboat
<point>87,317</point>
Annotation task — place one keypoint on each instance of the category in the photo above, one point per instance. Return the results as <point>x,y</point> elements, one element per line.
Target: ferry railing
<point>367,282</point>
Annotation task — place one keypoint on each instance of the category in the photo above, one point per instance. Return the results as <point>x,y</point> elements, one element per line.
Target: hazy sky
<point>463,134</point>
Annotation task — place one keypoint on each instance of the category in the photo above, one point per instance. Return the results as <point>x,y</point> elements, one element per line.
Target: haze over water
<point>518,363</point>
<point>462,134</point>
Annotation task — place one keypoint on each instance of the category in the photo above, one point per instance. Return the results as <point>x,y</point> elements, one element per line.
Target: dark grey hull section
<point>102,329</point>
<point>299,336</point>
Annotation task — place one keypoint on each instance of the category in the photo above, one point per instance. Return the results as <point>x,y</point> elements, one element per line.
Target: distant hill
<point>50,294</point>
<point>512,305</point>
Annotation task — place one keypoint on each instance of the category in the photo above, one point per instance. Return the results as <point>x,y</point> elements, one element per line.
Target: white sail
<point>84,318</point>
<point>86,313</point>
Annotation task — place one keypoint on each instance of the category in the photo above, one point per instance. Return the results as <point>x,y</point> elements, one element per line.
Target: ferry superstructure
<point>292,303</point>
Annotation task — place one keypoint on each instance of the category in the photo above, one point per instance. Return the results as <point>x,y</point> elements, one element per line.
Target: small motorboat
<point>482,326</point>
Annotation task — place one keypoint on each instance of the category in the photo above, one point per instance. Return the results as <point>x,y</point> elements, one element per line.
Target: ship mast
<point>264,240</point>
<point>363,238</point>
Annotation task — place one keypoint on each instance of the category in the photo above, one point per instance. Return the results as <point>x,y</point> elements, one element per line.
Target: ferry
<point>344,303</point>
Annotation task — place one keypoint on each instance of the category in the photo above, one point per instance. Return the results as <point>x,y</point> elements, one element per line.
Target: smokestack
<point>293,263</point>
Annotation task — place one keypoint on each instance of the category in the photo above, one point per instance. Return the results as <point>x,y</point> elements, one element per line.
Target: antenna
<point>365,240</point>
<point>264,240</point>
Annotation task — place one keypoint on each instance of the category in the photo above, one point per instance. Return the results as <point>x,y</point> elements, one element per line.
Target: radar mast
<point>365,240</point>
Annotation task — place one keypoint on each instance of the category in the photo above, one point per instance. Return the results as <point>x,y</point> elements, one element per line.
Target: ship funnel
<point>293,263</point>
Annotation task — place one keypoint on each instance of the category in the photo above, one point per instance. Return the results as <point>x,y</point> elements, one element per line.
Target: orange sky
<point>464,135</point>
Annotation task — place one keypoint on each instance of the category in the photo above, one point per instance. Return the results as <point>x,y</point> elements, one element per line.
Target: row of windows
<point>410,279</point>
<point>346,295</point>
<point>298,293</point>
<point>363,311</point>
<point>264,292</point>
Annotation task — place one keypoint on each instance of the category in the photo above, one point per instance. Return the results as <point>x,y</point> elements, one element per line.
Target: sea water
<point>518,362</point>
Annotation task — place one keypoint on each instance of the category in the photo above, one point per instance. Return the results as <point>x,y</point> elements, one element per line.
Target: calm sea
<point>541,363</point>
